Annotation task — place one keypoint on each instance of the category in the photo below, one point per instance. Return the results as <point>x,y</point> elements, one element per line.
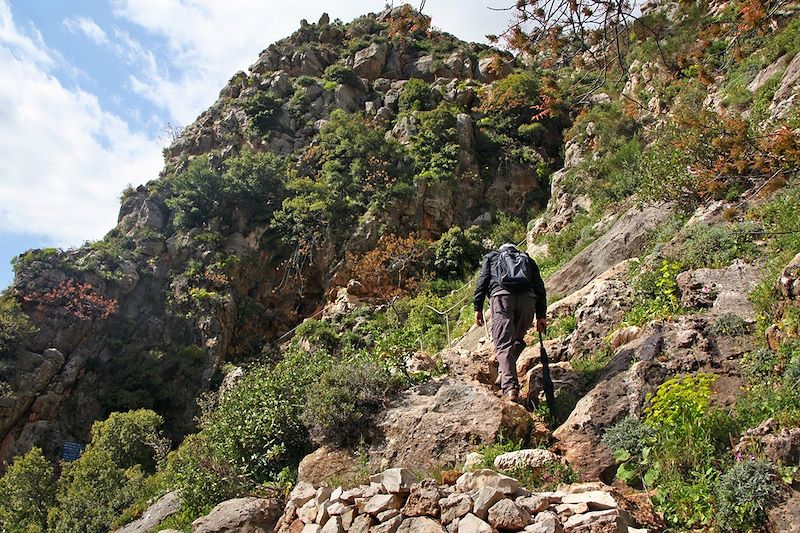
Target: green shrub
<point>257,428</point>
<point>715,246</point>
<point>759,365</point>
<point>434,149</point>
<point>729,324</point>
<point>15,326</point>
<point>744,493</point>
<point>92,492</point>
<point>506,228</point>
<point>656,294</point>
<point>262,108</point>
<point>663,176</point>
<point>130,438</point>
<point>629,434</point>
<point>338,73</point>
<point>252,182</point>
<point>27,491</point>
<point>320,333</point>
<point>416,96</point>
<point>562,326</point>
<point>458,253</point>
<point>201,478</point>
<point>341,402</point>
<point>567,243</point>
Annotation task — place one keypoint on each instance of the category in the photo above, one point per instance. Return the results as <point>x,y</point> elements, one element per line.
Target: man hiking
<point>516,292</point>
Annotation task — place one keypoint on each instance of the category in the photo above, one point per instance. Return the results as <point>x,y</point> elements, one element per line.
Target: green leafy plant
<point>416,96</point>
<point>262,108</point>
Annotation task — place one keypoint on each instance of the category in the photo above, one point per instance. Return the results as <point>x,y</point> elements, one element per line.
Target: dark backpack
<point>514,271</point>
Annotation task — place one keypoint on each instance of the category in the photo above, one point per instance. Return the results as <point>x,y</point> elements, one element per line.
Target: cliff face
<point>147,316</point>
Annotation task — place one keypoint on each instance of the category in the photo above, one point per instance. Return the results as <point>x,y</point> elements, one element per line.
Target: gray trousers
<point>512,316</point>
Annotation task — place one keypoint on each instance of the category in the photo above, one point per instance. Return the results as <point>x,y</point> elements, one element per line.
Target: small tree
<point>27,492</point>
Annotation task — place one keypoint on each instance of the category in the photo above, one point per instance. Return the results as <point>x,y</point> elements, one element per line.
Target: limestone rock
<point>724,290</point>
<point>593,519</point>
<point>770,71</point>
<point>545,522</point>
<point>473,524</point>
<point>786,94</point>
<point>382,502</point>
<point>624,240</point>
<point>784,517</point>
<point>534,503</point>
<point>361,524</point>
<point>454,506</point>
<point>423,500</point>
<point>473,460</point>
<point>622,389</point>
<point>533,459</point>
<point>166,506</point>
<point>487,478</point>
<point>325,463</point>
<point>395,480</point>
<point>334,525</point>
<point>596,500</point>
<point>369,62</point>
<point>505,514</point>
<point>420,524</point>
<point>246,515</point>
<point>484,499</point>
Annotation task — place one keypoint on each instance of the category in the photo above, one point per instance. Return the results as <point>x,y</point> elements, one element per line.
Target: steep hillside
<point>348,185</point>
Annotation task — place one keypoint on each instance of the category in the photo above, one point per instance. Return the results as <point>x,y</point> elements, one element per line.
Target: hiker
<point>516,292</point>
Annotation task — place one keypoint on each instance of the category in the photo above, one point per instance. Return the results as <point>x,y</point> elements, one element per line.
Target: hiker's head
<point>508,246</point>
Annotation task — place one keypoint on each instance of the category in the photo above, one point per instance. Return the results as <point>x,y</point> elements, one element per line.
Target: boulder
<point>166,506</point>
<point>334,525</point>
<point>361,524</point>
<point>598,314</point>
<point>348,98</point>
<point>596,519</point>
<point>622,389</point>
<point>325,463</point>
<point>369,62</point>
<point>535,503</point>
<point>533,459</point>
<point>243,515</point>
<point>784,517</point>
<point>596,500</point>
<point>505,514</point>
<point>440,421</point>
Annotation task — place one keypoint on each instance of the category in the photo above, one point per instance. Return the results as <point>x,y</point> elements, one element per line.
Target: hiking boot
<point>512,395</point>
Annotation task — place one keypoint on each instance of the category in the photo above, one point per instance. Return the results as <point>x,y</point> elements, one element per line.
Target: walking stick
<point>547,383</point>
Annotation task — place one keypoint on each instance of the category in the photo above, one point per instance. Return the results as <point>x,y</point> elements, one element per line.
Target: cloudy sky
<point>87,87</point>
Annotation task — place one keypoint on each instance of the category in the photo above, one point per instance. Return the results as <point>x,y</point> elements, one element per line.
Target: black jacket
<point>488,284</point>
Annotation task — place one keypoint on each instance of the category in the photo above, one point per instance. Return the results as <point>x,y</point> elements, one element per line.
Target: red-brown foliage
<point>78,299</point>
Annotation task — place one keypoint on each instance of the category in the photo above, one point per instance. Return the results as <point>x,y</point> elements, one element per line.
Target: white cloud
<point>63,159</point>
<point>88,27</point>
<point>208,41</point>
